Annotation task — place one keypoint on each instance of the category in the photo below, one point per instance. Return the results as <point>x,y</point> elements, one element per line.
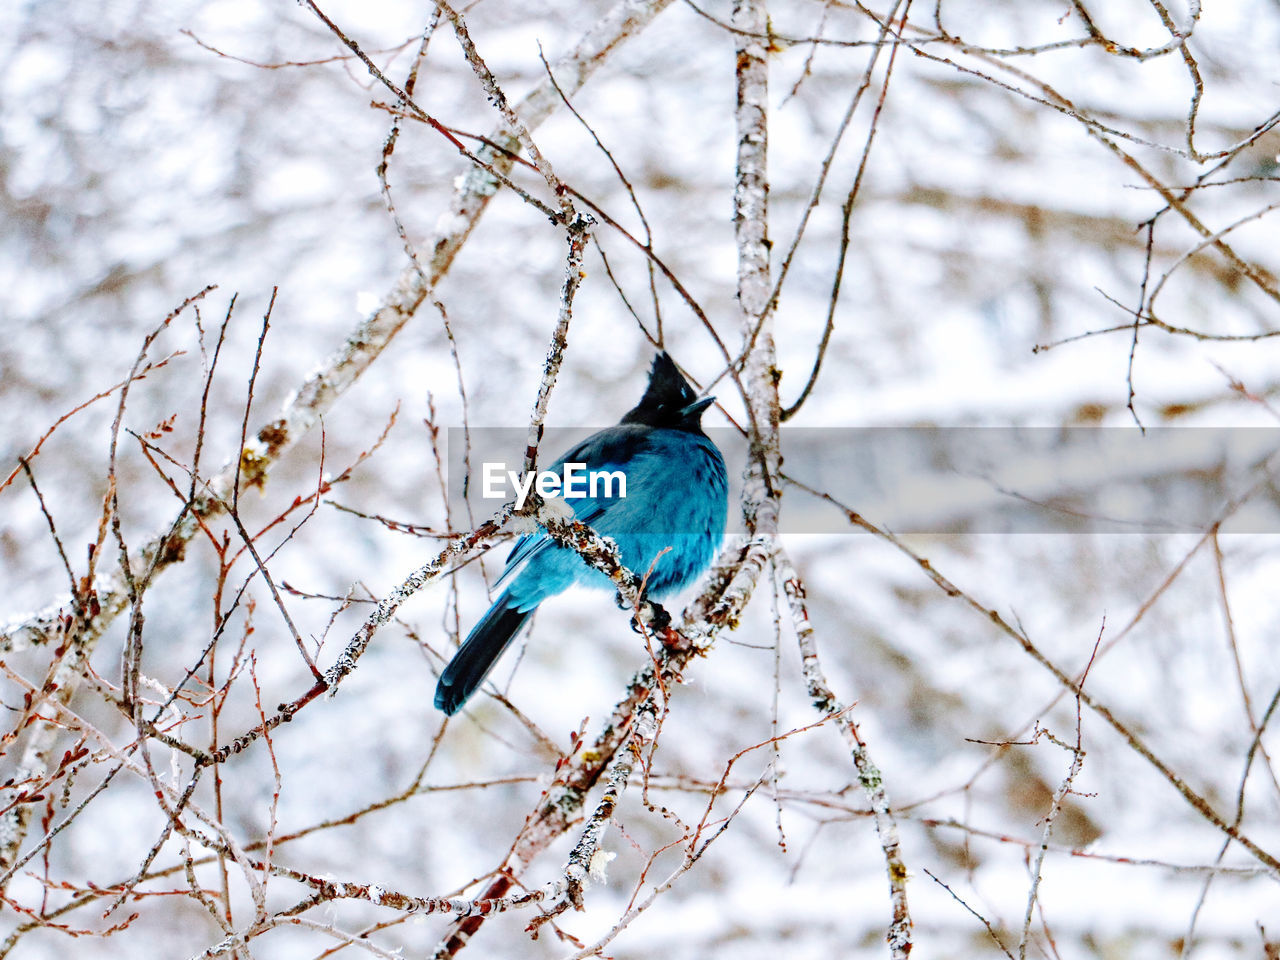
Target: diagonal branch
<point>317,395</point>
<point>114,592</point>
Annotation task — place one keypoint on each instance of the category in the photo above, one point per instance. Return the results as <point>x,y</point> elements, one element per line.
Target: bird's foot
<point>661,620</point>
<point>651,617</point>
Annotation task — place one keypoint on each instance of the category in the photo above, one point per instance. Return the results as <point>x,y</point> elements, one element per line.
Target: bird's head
<point>668,401</point>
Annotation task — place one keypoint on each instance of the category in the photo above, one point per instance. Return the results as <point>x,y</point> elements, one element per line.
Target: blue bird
<point>676,496</point>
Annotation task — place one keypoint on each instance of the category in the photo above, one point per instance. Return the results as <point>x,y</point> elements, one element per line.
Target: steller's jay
<point>676,497</point>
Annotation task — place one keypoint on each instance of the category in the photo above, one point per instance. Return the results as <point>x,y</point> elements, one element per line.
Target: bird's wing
<point>532,544</point>
<point>608,450</point>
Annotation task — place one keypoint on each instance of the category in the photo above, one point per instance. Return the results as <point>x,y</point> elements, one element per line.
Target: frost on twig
<point>578,227</point>
<point>825,700</point>
<point>731,582</point>
<point>586,856</point>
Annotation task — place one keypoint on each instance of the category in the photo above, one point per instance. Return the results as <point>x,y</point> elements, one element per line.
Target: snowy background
<point>150,149</point>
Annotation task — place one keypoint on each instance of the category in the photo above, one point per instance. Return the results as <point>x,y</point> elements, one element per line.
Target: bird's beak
<point>694,410</point>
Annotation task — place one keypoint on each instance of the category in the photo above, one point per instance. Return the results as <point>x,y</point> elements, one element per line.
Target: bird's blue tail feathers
<point>483,646</point>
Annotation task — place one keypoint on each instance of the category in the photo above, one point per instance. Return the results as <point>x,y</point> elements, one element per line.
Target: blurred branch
<point>1195,799</point>
<point>101,395</point>
<point>1054,100</point>
<point>846,211</point>
<point>1064,790</point>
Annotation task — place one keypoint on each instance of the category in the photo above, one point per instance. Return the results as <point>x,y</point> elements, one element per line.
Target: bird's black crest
<point>667,395</point>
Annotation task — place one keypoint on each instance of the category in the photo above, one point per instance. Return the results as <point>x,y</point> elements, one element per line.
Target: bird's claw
<point>657,620</point>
